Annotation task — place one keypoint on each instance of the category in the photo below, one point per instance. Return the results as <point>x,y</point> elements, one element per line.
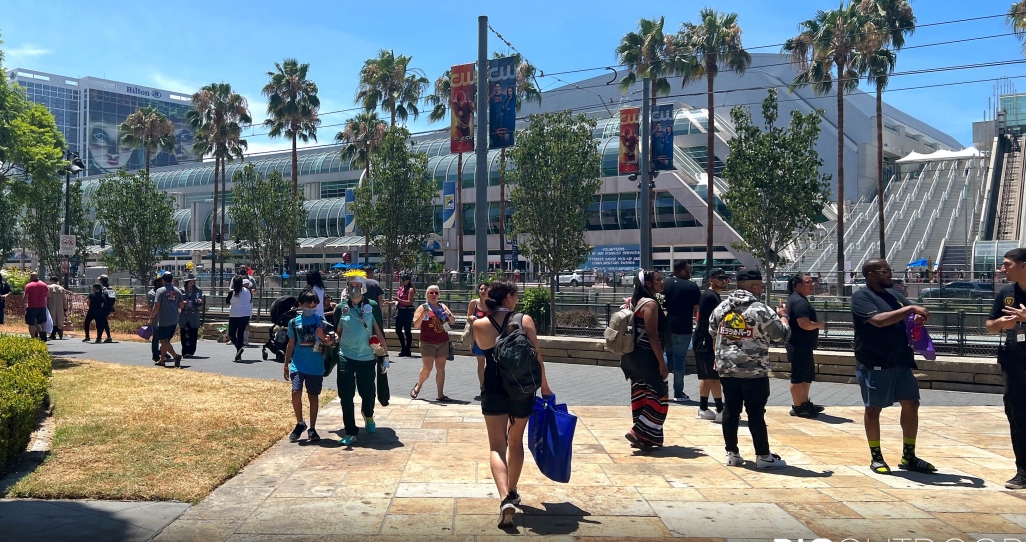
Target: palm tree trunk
<point>224,189</point>
<point>213,229</point>
<point>366,234</point>
<point>840,179</point>
<point>710,170</point>
<point>295,191</point>
<point>502,208</point>
<point>879,167</point>
<point>147,163</point>
<point>459,214</point>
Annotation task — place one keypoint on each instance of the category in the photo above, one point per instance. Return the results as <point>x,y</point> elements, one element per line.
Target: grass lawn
<point>139,433</point>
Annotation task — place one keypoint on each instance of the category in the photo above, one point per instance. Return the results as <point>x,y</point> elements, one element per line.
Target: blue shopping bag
<point>550,437</point>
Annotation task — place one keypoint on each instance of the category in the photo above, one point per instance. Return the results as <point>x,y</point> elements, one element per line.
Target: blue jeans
<point>679,345</point>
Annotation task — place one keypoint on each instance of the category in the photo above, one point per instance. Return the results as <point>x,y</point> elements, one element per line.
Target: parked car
<point>959,290</point>
<point>576,278</point>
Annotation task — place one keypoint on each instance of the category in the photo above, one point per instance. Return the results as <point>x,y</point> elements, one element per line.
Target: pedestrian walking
<point>58,302</point>
<point>477,309</point>
<point>36,293</point>
<point>151,298</point>
<point>743,327</point>
<point>96,311</point>
<point>884,362</point>
<point>165,315</point>
<point>505,417</point>
<point>404,297</point>
<point>805,328</point>
<point>5,291</point>
<point>189,320</point>
<point>704,347</point>
<point>1008,316</point>
<point>315,282</point>
<point>303,364</point>
<point>645,367</point>
<point>241,300</point>
<point>435,321</point>
<point>110,304</point>
<point>681,297</point>
<point>356,327</point>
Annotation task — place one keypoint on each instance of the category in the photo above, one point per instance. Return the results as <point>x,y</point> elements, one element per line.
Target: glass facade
<point>1015,110</point>
<point>622,212</point>
<point>62,102</point>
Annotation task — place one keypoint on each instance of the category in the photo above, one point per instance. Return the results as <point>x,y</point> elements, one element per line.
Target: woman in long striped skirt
<point>646,367</point>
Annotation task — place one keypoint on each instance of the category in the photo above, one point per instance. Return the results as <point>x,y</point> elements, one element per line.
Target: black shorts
<point>35,317</point>
<point>803,364</point>
<point>705,362</point>
<point>496,402</point>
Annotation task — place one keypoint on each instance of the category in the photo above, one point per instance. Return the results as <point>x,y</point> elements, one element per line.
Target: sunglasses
<point>432,293</point>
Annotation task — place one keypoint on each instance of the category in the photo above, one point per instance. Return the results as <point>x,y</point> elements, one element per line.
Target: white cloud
<point>172,83</point>
<point>14,55</point>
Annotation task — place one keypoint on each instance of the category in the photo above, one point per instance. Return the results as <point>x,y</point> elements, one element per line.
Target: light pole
<point>75,167</point>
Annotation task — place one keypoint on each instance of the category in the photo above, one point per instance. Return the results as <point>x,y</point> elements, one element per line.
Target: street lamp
<point>76,165</point>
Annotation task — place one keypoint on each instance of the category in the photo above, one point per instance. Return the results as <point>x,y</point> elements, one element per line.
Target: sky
<point>186,44</point>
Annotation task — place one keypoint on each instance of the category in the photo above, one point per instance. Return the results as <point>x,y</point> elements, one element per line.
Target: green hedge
<point>25,369</point>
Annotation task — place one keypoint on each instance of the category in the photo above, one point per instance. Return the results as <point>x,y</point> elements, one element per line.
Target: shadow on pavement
<point>556,519</point>
<point>674,450</point>
<point>938,479</point>
<point>832,420</point>
<point>791,471</point>
<point>86,520</point>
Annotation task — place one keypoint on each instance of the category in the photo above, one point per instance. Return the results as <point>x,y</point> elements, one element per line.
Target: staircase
<point>1010,195</point>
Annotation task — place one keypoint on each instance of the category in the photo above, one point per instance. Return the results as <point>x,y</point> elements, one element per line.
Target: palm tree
<point>826,53</point>
<point>360,138</point>
<point>148,130</point>
<point>703,50</point>
<point>892,21</point>
<point>292,107</point>
<point>1017,20</point>
<point>389,82</point>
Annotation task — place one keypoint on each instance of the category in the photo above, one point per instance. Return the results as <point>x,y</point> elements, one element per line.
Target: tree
<point>267,216</point>
<point>1016,19</point>
<point>360,139</point>
<point>43,220</point>
<point>826,53</point>
<point>138,220</point>
<point>10,231</point>
<point>389,82</point>
<point>292,107</point>
<point>398,204</point>
<point>556,174</point>
<point>645,54</point>
<point>702,50</point>
<point>775,188</point>
<point>893,20</point>
<point>148,130</point>
<point>30,142</point>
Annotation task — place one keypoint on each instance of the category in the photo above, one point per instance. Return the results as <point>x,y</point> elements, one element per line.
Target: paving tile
<point>317,516</point>
<point>1018,519</point>
<point>718,519</point>
<point>564,501</point>
<point>884,529</point>
<point>604,526</point>
<point>313,483</point>
<point>198,531</point>
<point>486,525</point>
<point>418,506</point>
<point>807,511</point>
<point>852,494</point>
<point>988,502</point>
<point>764,495</point>
<point>446,490</point>
<point>418,525</point>
<point>887,510</point>
<point>274,538</point>
<point>980,523</point>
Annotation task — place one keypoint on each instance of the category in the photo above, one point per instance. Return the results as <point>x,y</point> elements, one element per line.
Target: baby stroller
<point>283,310</point>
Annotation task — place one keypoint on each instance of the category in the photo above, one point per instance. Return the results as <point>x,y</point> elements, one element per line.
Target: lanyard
<point>359,314</point>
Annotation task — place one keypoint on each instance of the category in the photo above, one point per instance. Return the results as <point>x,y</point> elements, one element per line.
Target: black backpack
<point>516,358</point>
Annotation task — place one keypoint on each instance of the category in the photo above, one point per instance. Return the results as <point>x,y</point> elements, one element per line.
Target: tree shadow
<point>64,363</point>
<point>562,518</point>
<point>793,471</point>
<point>66,352</point>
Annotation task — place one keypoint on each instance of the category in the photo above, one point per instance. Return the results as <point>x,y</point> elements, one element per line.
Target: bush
<point>16,278</point>
<point>582,318</point>
<point>25,369</point>
<point>535,303</point>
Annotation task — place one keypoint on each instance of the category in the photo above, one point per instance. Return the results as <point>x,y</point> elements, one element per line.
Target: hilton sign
<point>141,92</point>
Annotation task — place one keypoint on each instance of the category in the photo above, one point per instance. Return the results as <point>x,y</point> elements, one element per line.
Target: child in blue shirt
<point>303,364</point>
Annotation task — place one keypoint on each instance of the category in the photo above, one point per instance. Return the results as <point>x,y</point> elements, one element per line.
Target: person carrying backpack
<point>645,366</point>
<point>508,391</point>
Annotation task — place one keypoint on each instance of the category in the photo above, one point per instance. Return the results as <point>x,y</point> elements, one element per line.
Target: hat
<point>749,274</point>
<point>717,272</point>
<point>189,277</point>
<point>166,275</point>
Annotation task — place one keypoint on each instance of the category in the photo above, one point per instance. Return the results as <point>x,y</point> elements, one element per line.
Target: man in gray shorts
<point>168,301</point>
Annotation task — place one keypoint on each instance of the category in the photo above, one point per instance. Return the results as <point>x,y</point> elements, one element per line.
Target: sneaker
<point>734,459</point>
<point>506,512</point>
<point>297,432</point>
<point>238,355</point>
<point>98,341</point>
<point>705,415</point>
<point>880,466</point>
<point>87,340</point>
<point>916,464</point>
<point>348,440</point>
<point>1019,482</point>
<point>370,425</point>
<point>109,340</point>
<point>682,398</point>
<point>312,435</point>
<point>679,400</point>
<point>804,410</point>
<point>770,461</point>
<point>512,497</point>
<point>815,407</point>
<point>719,417</point>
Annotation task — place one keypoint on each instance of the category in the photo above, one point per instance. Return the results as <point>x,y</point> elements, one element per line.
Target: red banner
<point>629,141</point>
<point>461,108</point>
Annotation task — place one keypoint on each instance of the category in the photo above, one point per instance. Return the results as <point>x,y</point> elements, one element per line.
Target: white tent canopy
<point>971,152</point>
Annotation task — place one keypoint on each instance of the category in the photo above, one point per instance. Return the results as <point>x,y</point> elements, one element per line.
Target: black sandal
<point>415,391</point>
<point>444,399</point>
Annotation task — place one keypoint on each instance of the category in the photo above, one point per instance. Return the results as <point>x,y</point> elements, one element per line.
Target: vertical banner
<point>662,137</point>
<point>461,106</point>
<point>350,216</point>
<point>502,102</point>
<point>449,204</point>
<point>629,141</point>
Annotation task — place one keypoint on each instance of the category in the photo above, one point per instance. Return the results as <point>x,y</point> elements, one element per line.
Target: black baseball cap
<point>717,272</point>
<point>749,274</point>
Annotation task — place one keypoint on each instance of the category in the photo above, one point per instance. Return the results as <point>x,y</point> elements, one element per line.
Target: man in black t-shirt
<point>804,336</point>
<point>681,304</point>
<point>705,359</point>
<point>884,362</point>
<point>1008,316</point>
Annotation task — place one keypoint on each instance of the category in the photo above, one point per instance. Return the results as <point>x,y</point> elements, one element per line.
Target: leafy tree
<point>43,221</point>
<point>10,232</point>
<point>556,175</point>
<point>360,139</point>
<point>893,20</point>
<point>148,130</point>
<point>389,82</point>
<point>138,221</point>
<point>30,142</point>
<point>826,54</point>
<point>267,216</point>
<point>398,203</point>
<point>702,50</point>
<point>775,188</point>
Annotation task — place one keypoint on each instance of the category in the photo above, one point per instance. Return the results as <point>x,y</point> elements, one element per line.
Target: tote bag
<point>551,438</point>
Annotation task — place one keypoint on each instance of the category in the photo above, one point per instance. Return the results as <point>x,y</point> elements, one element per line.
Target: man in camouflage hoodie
<point>742,327</point>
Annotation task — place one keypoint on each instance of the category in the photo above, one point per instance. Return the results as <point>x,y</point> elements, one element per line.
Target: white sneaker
<point>771,461</point>
<point>719,417</point>
<point>706,415</point>
<point>734,459</point>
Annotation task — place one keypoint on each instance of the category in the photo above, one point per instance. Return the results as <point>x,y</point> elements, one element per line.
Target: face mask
<point>354,291</point>
<point>309,312</point>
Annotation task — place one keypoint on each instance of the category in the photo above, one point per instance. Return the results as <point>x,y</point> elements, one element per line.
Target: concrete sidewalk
<point>29,519</point>
<point>425,474</point>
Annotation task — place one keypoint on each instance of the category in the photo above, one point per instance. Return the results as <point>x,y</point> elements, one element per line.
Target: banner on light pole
<point>461,108</point>
<point>662,137</point>
<point>502,102</point>
<point>629,140</point>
